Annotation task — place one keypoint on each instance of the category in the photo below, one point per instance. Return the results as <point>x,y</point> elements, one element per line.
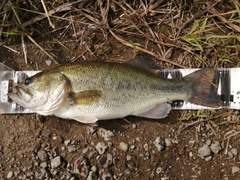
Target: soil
<point>131,148</point>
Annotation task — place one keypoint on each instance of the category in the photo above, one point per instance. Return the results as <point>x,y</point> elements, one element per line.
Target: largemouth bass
<point>92,91</point>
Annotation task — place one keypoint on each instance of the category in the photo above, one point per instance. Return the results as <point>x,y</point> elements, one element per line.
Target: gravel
<point>204,152</point>
<point>103,158</point>
<point>10,174</point>
<point>159,143</point>
<point>123,146</point>
<point>56,162</point>
<point>101,147</point>
<point>215,147</point>
<point>42,155</point>
<point>234,151</point>
<point>235,169</point>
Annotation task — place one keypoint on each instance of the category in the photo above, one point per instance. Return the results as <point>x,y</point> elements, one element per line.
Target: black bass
<point>92,91</point>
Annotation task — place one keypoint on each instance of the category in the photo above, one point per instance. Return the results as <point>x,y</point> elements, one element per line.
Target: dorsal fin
<point>145,62</point>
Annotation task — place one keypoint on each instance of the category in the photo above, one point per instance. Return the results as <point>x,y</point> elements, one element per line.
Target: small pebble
<point>94,169</point>
<point>101,147</point>
<point>215,147</point>
<point>204,151</point>
<point>92,176</point>
<point>230,155</point>
<point>106,161</point>
<point>123,146</point>
<point>190,154</point>
<point>128,157</point>
<point>209,142</point>
<point>145,147</point>
<point>234,151</point>
<point>159,143</point>
<point>191,143</point>
<point>106,176</point>
<point>67,142</point>
<point>81,166</point>
<point>208,158</point>
<point>92,154</point>
<point>72,148</point>
<point>85,150</point>
<point>165,178</point>
<point>170,142</point>
<point>10,174</point>
<point>91,129</point>
<point>42,155</point>
<point>159,170</point>
<point>30,173</point>
<point>48,62</point>
<point>235,169</point>
<point>107,135</point>
<point>43,164</point>
<point>55,162</point>
<point>41,174</point>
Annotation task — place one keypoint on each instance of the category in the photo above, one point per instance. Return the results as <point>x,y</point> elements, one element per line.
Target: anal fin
<point>158,112</point>
<point>86,119</point>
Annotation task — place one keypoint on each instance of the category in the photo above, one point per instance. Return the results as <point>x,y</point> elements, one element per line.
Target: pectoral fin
<point>86,97</point>
<point>158,112</point>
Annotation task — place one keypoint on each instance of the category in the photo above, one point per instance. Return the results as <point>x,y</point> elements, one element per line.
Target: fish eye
<point>28,81</point>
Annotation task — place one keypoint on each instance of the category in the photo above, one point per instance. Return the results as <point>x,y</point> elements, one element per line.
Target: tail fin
<point>204,85</point>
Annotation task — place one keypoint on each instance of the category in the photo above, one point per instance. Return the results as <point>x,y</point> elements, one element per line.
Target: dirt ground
<point>180,34</point>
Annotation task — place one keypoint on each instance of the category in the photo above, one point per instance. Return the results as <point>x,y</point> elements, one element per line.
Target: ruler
<point>228,89</point>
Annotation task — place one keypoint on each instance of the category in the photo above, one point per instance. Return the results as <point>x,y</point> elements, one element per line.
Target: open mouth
<point>20,95</point>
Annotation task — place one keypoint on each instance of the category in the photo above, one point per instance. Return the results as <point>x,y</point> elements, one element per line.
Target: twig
<point>80,55</point>
<point>226,136</point>
<point>50,56</point>
<point>64,7</point>
<point>3,20</point>
<point>46,12</point>
<point>11,49</point>
<point>63,46</point>
<point>200,13</point>
<point>145,50</point>
<point>24,48</point>
<point>231,25</point>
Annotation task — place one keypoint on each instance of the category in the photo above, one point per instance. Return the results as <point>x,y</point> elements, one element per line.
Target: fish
<point>89,91</point>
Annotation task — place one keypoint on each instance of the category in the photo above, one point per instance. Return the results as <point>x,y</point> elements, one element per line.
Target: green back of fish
<point>125,80</point>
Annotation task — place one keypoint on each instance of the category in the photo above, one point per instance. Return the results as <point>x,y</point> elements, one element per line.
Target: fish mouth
<point>20,96</point>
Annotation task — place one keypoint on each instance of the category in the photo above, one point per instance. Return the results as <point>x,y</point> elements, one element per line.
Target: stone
<point>235,169</point>
<point>234,151</point>
<point>215,147</point>
<point>159,143</point>
<point>42,155</point>
<point>101,147</point>
<point>106,161</point>
<point>48,62</point>
<point>107,135</point>
<point>81,166</point>
<point>55,162</point>
<point>72,148</point>
<point>10,174</point>
<point>204,151</point>
<point>123,146</point>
